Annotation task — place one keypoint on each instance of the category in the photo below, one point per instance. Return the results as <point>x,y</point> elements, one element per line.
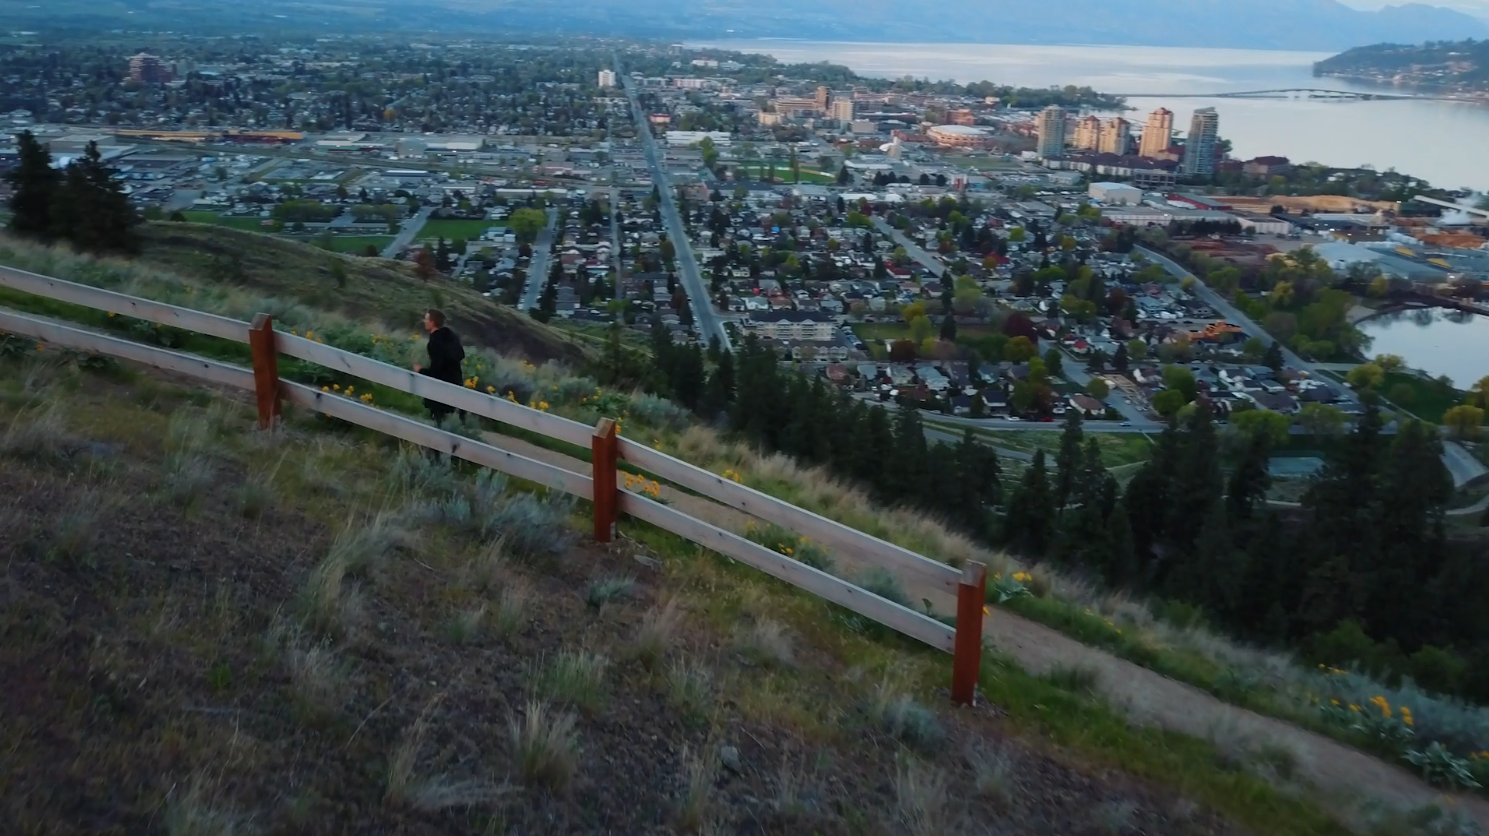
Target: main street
<point>915,251</point>
<point>705,319</point>
<point>537,266</point>
<point>406,233</point>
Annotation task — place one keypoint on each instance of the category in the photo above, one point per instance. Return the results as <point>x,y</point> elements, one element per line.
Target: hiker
<point>445,354</point>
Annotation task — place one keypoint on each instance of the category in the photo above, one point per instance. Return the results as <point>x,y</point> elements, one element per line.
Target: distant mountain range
<point>1322,25</point>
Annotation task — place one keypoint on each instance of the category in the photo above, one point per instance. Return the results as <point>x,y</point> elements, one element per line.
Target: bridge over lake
<point>1287,93</point>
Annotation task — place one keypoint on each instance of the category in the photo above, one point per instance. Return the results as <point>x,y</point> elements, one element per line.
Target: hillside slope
<point>374,289</point>
<point>209,631</point>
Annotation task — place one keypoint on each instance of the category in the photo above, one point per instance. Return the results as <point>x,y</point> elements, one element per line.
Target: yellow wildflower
<point>336,386</point>
<point>490,390</point>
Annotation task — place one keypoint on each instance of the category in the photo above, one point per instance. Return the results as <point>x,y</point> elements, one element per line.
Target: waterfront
<point>1435,340</point>
<point>1439,141</point>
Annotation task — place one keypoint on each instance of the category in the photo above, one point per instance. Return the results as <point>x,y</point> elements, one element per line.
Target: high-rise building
<point>607,78</point>
<point>1051,125</point>
<point>1088,134</point>
<point>148,69</point>
<point>1157,133</point>
<point>841,110</point>
<point>1116,136</point>
<point>823,96</point>
<point>1199,146</point>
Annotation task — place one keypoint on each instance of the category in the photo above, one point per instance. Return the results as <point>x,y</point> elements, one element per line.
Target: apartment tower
<point>148,69</point>
<point>607,78</point>
<point>1088,134</point>
<point>1157,134</point>
<point>1051,125</point>
<point>1199,146</point>
<point>1115,136</point>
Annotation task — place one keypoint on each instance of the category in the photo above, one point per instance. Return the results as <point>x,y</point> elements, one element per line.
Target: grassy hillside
<point>210,631</point>
<point>373,289</point>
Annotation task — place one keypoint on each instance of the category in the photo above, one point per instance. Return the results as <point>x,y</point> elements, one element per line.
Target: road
<point>1234,316</point>
<point>616,244</point>
<point>406,232</point>
<point>912,249</point>
<point>1461,463</point>
<point>1073,368</point>
<point>537,266</point>
<point>705,320</point>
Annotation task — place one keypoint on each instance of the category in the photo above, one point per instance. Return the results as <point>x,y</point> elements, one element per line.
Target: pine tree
<point>1250,479</point>
<point>719,393</point>
<point>1068,459</point>
<point>34,184</point>
<point>109,226</point>
<point>1029,526</point>
<point>1121,560</point>
<point>948,326</point>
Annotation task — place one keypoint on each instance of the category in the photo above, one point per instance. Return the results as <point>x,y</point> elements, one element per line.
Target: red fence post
<point>966,658</point>
<point>604,450</point>
<point>265,369</point>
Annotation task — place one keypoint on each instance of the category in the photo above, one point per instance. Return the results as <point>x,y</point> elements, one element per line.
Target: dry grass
<point>401,788</point>
<point>39,433</point>
<point>74,533</point>
<point>903,718</point>
<point>920,799</point>
<point>656,633</point>
<point>316,682</point>
<point>510,607</point>
<point>766,643</point>
<point>1114,817</point>
<point>194,812</point>
<point>545,746</point>
<point>699,770</point>
<point>690,689</point>
<point>992,772</point>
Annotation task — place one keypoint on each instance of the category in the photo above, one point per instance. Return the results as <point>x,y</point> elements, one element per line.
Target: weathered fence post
<point>967,651</point>
<point>265,369</point>
<point>604,450</point>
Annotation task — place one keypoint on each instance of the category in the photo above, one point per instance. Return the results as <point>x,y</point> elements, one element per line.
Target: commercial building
<point>1263,224</point>
<point>1199,146</point>
<point>1266,166</point>
<point>841,110</point>
<point>147,68</point>
<point>682,139</point>
<point>1158,133</point>
<point>958,136</point>
<point>1115,194</point>
<point>1051,125</point>
<point>607,78</point>
<point>823,97</point>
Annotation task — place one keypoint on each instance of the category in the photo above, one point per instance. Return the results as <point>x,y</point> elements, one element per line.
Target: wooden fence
<point>607,449</point>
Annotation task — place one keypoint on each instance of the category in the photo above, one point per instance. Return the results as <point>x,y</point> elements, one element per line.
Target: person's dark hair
<point>436,316</point>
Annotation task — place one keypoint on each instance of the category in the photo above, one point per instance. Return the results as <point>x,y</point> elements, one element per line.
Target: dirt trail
<point>1343,774</point>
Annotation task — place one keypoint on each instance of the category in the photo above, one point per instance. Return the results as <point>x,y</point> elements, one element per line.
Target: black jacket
<point>445,354</point>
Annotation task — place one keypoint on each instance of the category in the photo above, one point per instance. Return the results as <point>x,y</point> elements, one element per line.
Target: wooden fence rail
<point>968,583</point>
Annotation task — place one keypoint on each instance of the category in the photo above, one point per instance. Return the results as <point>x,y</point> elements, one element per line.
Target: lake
<point>1441,142</point>
<point>1435,340</point>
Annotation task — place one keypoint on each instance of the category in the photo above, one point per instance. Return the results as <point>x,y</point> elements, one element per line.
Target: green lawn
<point>1426,399</point>
<point>451,230</point>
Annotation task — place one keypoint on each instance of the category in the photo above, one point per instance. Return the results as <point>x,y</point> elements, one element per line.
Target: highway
<point>912,249</point>
<point>705,320</point>
<point>537,266</point>
<point>406,232</point>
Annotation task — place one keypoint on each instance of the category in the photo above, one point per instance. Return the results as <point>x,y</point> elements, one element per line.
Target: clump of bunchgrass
<point>573,677</point>
<point>902,717</point>
<point>465,627</point>
<point>316,681</point>
<point>766,643</point>
<point>920,799</point>
<point>255,496</point>
<point>1077,679</point>
<point>655,634</point>
<point>38,433</point>
<point>690,689</point>
<point>545,746</point>
<point>400,786</point>
<point>784,541</point>
<point>1115,817</point>
<point>992,772</point>
<point>509,608</point>
<point>74,531</point>
<point>699,770</point>
<point>603,591</point>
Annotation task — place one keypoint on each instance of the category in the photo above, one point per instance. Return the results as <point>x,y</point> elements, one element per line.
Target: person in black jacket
<point>445,356</point>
